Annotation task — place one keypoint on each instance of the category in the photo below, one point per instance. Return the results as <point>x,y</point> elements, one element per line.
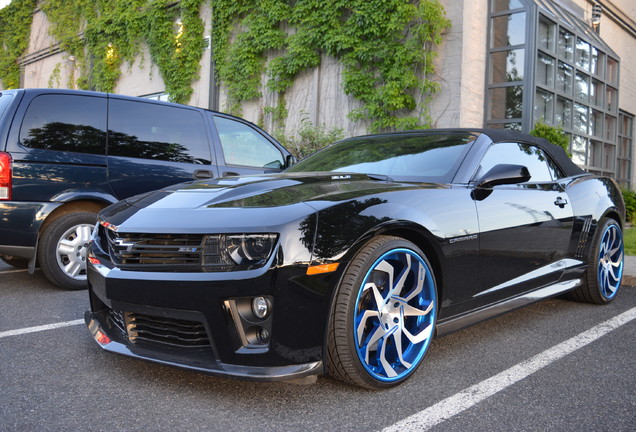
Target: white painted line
<point>471,396</point>
<point>39,328</point>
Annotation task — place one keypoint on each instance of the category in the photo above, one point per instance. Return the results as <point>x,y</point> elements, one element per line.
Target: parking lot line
<point>471,396</point>
<point>39,328</point>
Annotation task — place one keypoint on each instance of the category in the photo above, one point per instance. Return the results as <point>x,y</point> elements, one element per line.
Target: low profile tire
<point>17,262</point>
<point>605,269</point>
<point>62,249</point>
<point>384,315</point>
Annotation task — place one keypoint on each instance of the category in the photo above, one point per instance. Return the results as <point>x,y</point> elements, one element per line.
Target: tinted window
<point>149,131</point>
<point>69,123</point>
<point>4,101</point>
<point>243,145</point>
<point>433,157</point>
<point>541,167</point>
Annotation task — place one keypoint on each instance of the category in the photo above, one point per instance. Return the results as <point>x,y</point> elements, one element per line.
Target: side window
<point>243,145</point>
<point>150,131</point>
<point>69,123</point>
<point>541,167</point>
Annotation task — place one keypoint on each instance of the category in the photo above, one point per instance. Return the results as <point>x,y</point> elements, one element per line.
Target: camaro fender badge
<point>463,238</point>
<point>341,177</point>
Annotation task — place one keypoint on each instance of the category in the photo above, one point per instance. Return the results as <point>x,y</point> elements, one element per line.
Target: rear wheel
<point>605,265</point>
<point>384,315</point>
<point>62,249</point>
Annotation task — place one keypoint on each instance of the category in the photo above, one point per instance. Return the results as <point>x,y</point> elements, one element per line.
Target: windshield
<point>417,157</point>
<point>5,99</point>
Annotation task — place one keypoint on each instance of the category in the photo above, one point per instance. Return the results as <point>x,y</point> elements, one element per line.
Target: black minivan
<point>66,154</point>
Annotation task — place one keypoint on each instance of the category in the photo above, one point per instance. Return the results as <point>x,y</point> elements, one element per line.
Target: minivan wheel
<point>62,249</point>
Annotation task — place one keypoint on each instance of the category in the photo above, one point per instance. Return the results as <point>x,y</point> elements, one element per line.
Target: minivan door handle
<point>202,174</point>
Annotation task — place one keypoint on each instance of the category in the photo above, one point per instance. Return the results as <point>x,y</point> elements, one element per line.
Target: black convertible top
<point>557,153</point>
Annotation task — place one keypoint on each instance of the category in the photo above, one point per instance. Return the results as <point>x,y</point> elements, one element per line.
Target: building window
<point>625,143</point>
<point>546,64</point>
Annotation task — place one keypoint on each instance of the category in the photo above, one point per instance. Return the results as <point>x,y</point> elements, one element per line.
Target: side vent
<point>585,234</point>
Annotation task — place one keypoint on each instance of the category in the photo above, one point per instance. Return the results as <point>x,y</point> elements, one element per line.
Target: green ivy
<point>103,34</point>
<point>15,28</point>
<point>385,46</point>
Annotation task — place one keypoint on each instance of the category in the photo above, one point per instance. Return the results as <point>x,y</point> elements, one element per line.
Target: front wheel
<point>62,249</point>
<point>605,265</point>
<point>384,315</point>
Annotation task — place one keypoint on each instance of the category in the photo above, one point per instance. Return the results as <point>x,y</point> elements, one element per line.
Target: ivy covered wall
<point>262,49</point>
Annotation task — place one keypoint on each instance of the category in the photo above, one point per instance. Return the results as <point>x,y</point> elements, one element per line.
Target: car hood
<point>258,202</point>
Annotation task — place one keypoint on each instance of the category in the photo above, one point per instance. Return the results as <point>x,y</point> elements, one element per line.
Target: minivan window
<point>152,131</point>
<point>69,123</point>
<point>5,99</point>
<point>243,145</point>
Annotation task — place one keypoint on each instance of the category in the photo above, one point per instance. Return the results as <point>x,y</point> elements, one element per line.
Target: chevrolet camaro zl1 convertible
<point>352,260</point>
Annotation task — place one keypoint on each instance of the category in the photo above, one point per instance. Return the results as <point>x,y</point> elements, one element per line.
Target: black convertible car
<point>351,261</point>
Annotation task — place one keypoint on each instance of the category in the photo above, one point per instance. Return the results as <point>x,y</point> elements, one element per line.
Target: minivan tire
<point>62,249</point>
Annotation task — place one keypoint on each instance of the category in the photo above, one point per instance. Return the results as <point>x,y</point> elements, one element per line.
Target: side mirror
<point>290,160</point>
<point>504,174</point>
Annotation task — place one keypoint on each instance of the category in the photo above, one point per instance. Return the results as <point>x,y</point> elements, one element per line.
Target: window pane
<point>149,131</point>
<point>582,86</point>
<point>582,54</point>
<point>611,99</point>
<point>502,5</point>
<point>506,102</point>
<point>507,66</point>
<point>544,106</point>
<point>537,162</point>
<point>598,62</point>
<point>565,78</point>
<point>580,118</point>
<point>597,93</point>
<point>579,149</point>
<point>612,71</point>
<point>563,112</point>
<point>595,157</point>
<point>545,70</point>
<point>566,45</point>
<point>243,145</point>
<point>609,156</point>
<point>610,128</point>
<point>508,30</point>
<point>596,123</point>
<point>547,31</point>
<point>65,123</point>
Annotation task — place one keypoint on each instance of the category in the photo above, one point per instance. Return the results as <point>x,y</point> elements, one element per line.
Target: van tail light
<point>5,176</point>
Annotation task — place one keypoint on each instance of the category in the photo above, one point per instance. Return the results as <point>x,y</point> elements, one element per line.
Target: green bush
<point>629,196</point>
<point>309,138</point>
<point>553,134</point>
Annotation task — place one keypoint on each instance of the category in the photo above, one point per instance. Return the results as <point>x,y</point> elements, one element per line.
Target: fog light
<point>263,335</point>
<point>261,307</point>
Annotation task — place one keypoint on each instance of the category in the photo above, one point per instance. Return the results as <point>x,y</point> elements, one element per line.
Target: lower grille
<point>169,331</point>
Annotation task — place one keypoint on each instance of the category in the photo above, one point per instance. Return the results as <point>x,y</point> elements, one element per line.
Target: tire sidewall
<point>47,249</point>
<point>593,283</point>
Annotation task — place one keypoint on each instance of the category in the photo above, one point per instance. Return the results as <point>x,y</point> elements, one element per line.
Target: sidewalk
<point>629,271</point>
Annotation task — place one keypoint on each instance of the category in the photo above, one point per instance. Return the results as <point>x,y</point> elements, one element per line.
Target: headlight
<point>228,252</point>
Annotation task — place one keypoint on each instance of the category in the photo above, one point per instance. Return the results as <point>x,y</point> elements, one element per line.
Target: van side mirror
<point>504,174</point>
<point>290,160</point>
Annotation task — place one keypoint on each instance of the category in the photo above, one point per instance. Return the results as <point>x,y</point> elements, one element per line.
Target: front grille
<point>156,252</point>
<point>168,331</point>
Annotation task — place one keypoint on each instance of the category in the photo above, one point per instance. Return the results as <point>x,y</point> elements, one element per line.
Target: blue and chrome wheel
<point>610,261</point>
<point>605,265</point>
<point>388,301</point>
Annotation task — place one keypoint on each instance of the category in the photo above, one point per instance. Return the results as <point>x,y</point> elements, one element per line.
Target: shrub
<point>309,139</point>
<point>629,196</point>
<point>553,134</point>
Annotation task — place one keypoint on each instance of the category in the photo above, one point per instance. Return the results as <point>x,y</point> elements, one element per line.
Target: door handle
<point>561,202</point>
<point>202,174</point>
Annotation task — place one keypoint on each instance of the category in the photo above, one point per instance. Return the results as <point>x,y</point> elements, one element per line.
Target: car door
<point>524,228</point>
<point>245,149</point>
<point>152,145</point>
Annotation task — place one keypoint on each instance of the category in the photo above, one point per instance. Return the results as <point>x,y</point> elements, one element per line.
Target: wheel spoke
<point>66,247</point>
<point>73,268</point>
